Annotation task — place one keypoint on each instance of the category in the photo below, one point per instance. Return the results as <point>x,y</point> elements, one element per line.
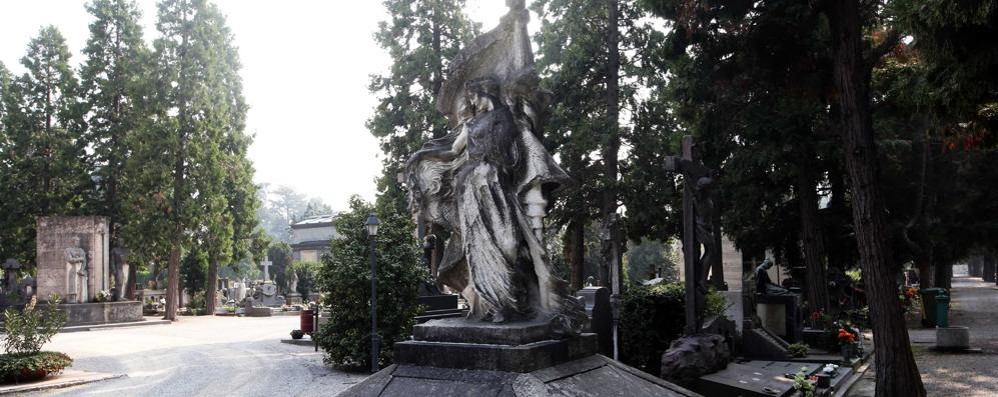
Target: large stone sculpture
<point>489,180</point>
<point>76,272</point>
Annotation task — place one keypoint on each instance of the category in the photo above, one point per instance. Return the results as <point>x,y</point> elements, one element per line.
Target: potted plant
<point>27,331</point>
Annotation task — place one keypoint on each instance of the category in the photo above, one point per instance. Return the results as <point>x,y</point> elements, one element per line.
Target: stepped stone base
<point>458,357</point>
<point>591,376</point>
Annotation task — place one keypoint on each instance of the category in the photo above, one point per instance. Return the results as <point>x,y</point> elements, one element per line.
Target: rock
<point>691,357</point>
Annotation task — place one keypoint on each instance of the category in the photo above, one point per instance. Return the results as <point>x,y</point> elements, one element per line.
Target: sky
<point>305,74</point>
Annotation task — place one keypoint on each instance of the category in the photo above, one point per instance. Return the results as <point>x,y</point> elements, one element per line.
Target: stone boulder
<point>691,357</point>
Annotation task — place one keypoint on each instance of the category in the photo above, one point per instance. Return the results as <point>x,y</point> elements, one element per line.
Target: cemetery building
<point>310,237</point>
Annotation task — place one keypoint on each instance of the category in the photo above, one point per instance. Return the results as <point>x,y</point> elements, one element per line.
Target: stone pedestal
<point>294,298</point>
<point>953,338</point>
<point>470,358</point>
<point>780,314</point>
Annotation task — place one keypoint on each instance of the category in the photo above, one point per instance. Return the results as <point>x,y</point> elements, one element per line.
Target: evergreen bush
<point>652,316</point>
<point>344,279</point>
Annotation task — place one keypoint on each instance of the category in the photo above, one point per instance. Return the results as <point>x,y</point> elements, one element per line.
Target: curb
<point>54,383</point>
<point>99,327</point>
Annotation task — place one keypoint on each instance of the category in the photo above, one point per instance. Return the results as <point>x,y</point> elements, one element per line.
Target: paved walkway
<point>974,303</point>
<point>200,356</point>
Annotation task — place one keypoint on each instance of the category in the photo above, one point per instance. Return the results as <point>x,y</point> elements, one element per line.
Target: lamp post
<point>372,231</point>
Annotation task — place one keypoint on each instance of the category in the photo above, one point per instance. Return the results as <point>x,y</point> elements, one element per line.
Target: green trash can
<point>942,311</point>
<point>930,306</point>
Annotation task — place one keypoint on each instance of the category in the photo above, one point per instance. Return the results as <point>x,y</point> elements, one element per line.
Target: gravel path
<point>201,356</point>
<point>974,304</point>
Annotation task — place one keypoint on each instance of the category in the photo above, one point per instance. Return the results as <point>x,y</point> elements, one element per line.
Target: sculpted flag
<point>488,182</point>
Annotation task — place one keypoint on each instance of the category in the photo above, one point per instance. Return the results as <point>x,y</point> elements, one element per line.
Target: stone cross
<point>266,266</point>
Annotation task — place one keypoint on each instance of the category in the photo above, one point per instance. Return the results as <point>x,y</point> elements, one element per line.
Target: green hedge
<point>14,367</point>
<point>651,318</point>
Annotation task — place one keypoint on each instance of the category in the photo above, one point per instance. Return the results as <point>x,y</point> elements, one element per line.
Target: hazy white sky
<point>305,73</point>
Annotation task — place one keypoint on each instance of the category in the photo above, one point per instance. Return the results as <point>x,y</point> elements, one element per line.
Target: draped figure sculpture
<point>488,184</point>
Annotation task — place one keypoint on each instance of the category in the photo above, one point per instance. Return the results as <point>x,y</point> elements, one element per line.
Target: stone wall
<point>54,235</point>
<point>102,313</point>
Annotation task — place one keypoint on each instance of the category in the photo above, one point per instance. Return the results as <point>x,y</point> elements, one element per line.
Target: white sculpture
<point>76,273</point>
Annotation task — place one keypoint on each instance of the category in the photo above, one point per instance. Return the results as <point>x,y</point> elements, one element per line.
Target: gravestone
<point>10,268</point>
<point>597,301</point>
<point>72,257</point>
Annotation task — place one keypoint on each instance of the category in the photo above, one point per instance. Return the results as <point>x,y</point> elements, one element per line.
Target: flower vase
<point>846,352</point>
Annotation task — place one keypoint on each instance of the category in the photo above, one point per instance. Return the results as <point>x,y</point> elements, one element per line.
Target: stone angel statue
<point>488,183</point>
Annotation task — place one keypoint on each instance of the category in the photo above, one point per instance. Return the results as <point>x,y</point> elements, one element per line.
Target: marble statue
<point>76,273</point>
<point>488,182</point>
<point>293,284</point>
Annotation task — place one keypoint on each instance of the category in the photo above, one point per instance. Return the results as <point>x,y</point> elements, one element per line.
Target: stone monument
<point>73,262</point>
<point>72,257</point>
<point>488,184</point>
<point>266,269</point>
<point>697,353</point>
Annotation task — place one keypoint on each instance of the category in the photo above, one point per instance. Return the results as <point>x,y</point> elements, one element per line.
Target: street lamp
<point>372,231</point>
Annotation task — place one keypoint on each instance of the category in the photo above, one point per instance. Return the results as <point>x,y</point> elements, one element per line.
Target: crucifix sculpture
<point>700,227</point>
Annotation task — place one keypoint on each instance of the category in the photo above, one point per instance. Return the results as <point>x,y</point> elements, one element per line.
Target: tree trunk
<point>925,275</point>
<point>613,254</point>
<point>987,269</point>
<point>173,281</point>
<point>575,252</point>
<point>814,247</point>
<point>130,287</point>
<point>209,295</point>
<point>897,373</point>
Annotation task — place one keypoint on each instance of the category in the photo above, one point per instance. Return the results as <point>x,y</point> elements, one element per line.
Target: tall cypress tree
<point>43,149</point>
<point>195,109</point>
<point>580,59</point>
<point>114,86</point>
<point>421,38</point>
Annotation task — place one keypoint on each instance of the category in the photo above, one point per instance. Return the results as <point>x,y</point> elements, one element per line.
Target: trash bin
<point>942,311</point>
<point>935,307</point>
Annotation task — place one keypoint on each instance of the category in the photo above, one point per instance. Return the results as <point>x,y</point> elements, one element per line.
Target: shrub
<point>652,316</point>
<point>297,334</point>
<point>345,280</point>
<point>31,328</point>
<point>197,302</point>
<point>21,367</point>
<point>798,350</point>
